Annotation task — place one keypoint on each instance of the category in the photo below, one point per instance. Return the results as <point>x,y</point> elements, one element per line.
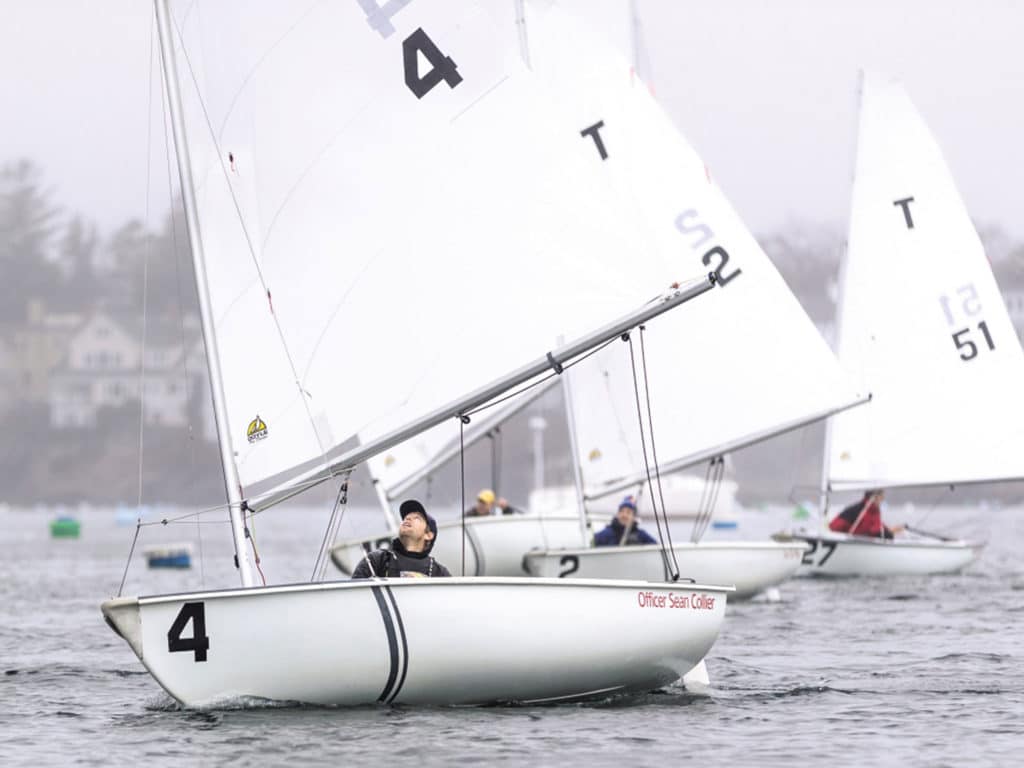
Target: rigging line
<point>718,473</point>
<point>643,449</point>
<point>327,533</point>
<point>463,420</point>
<point>694,532</point>
<point>131,552</point>
<point>145,273</point>
<point>252,252</point>
<point>654,457</point>
<point>186,382</point>
<point>336,528</point>
<point>250,531</point>
<point>339,499</point>
<point>538,382</point>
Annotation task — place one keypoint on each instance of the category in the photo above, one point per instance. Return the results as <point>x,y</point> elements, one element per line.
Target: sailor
<point>623,528</point>
<point>864,518</point>
<point>486,501</point>
<point>409,555</point>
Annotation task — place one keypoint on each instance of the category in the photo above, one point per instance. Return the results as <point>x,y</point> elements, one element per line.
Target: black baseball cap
<point>411,506</point>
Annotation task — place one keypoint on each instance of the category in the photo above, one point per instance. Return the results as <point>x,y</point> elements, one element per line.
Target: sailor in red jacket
<point>864,518</point>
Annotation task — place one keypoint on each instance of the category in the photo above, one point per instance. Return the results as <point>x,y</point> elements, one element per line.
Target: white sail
<point>921,319</point>
<point>358,264</point>
<point>722,373</point>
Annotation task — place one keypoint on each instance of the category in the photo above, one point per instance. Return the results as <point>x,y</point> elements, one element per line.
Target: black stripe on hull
<point>405,646</point>
<point>389,628</point>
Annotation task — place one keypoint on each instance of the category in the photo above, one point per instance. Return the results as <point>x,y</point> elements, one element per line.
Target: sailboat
<point>706,401</point>
<point>735,383</point>
<point>353,177</point>
<point>922,320</point>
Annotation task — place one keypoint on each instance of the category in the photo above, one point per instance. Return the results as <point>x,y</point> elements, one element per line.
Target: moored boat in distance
<point>169,556</point>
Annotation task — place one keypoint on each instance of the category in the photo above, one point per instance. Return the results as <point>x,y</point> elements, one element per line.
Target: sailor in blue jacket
<point>623,528</point>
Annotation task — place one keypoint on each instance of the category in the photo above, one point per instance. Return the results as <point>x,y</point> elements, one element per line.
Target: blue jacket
<point>612,535</point>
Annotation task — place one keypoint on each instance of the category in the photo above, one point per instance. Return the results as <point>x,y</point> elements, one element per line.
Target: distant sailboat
<point>736,381</point>
<point>360,181</point>
<point>922,321</point>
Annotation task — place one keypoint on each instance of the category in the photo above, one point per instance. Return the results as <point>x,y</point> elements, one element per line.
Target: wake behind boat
<point>421,641</point>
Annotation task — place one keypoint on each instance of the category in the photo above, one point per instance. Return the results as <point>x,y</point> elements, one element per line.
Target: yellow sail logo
<point>257,430</point>
<point>595,454</point>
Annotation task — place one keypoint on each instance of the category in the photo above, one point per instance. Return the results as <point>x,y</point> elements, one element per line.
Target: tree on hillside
<point>28,222</point>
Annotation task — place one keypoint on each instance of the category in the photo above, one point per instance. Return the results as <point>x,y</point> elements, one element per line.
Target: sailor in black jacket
<point>409,554</point>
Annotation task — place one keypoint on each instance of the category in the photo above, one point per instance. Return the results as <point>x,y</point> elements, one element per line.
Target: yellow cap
<point>486,496</point>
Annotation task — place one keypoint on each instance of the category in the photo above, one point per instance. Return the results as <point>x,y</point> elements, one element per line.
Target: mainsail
<point>921,319</point>
<point>723,373</point>
<point>396,210</point>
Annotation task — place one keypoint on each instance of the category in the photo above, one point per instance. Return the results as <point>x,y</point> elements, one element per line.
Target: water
<point>923,671</point>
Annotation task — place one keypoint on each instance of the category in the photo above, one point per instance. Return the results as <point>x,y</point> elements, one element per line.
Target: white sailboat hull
<point>839,554</point>
<point>421,641</point>
<point>750,567</point>
<point>495,545</point>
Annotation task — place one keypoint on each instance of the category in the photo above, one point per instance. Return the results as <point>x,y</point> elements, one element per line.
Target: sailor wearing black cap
<point>409,554</point>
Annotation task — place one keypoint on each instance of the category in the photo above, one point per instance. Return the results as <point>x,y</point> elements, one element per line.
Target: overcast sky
<point>766,92</point>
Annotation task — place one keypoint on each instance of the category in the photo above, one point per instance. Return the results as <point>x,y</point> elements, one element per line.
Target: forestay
<point>722,373</point>
<point>395,211</point>
<point>921,319</point>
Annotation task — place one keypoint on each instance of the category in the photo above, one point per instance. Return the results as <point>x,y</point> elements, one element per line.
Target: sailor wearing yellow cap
<point>486,501</point>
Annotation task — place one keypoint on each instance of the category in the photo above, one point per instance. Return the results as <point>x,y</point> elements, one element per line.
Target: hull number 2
<point>199,643</point>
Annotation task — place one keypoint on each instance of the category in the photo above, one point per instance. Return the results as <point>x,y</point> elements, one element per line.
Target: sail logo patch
<point>257,430</point>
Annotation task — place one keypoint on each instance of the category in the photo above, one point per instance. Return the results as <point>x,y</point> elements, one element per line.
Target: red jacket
<point>870,523</point>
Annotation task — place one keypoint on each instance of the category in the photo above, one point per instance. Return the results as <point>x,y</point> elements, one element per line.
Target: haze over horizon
<point>766,92</point>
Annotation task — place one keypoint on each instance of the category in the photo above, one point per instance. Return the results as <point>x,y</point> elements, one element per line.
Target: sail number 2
<point>199,643</point>
<point>689,223</point>
<point>969,306</point>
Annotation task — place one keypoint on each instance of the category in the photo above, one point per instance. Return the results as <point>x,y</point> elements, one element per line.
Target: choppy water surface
<point>923,671</point>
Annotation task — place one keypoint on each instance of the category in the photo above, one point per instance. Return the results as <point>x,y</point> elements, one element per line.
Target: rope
<point>124,576</point>
<point>340,502</point>
<point>536,383</point>
<point>251,535</point>
<point>709,497</point>
<point>145,293</point>
<point>463,421</point>
<point>647,466</point>
<point>654,457</point>
<point>145,273</point>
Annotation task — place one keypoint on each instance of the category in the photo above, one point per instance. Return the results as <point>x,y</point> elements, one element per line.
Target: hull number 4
<point>199,643</point>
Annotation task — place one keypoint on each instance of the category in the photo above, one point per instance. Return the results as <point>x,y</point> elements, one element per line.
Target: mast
<point>231,483</point>
<point>823,489</point>
<point>577,474</point>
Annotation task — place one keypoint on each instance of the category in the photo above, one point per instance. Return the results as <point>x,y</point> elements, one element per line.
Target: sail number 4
<point>199,643</point>
<point>968,306</point>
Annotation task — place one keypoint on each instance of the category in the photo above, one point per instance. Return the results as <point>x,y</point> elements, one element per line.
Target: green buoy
<point>65,528</point>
